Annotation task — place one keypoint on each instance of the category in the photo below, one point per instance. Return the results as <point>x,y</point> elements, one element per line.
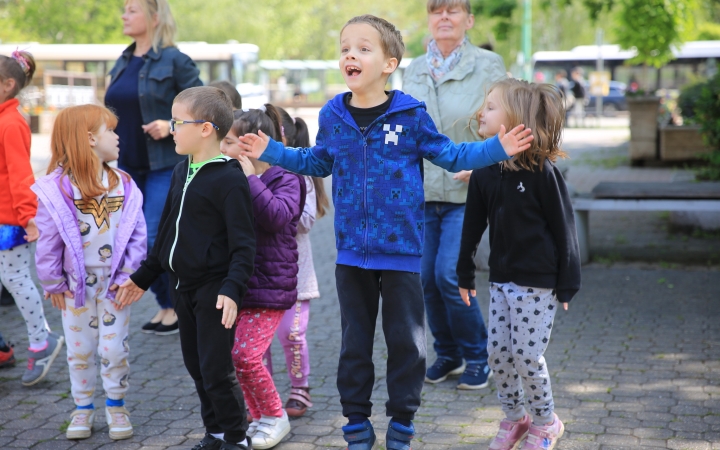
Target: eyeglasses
<point>174,122</point>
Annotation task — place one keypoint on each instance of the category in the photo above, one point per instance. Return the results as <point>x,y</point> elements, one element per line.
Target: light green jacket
<point>452,104</point>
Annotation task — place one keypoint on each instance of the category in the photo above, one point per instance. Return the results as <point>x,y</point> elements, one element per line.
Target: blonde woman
<point>145,80</point>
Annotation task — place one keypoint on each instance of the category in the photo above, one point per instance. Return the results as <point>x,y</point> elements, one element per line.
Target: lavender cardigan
<point>59,254</point>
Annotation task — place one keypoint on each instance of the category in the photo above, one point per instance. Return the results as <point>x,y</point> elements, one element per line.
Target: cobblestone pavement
<point>635,364</point>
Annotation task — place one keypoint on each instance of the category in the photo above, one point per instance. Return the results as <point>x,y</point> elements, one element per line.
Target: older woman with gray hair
<point>145,80</point>
<point>451,78</point>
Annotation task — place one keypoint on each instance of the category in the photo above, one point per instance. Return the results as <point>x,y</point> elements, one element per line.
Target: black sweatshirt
<point>206,231</point>
<point>533,240</point>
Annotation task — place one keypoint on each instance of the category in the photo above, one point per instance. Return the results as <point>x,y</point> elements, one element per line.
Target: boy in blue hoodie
<point>372,142</point>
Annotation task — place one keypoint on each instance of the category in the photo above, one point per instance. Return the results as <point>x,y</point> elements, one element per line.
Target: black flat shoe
<point>150,327</point>
<point>162,330</point>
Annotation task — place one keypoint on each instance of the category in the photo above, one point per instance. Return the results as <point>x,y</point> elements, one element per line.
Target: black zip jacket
<point>533,240</point>
<point>205,232</point>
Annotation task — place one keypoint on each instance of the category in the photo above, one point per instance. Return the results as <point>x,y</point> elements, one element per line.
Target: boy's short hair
<point>208,103</point>
<point>390,37</point>
<point>434,5</point>
<point>231,92</point>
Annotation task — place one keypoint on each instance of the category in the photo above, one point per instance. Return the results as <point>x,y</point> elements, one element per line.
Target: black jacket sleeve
<point>237,210</point>
<point>558,210</point>
<point>151,268</point>
<point>474,226</point>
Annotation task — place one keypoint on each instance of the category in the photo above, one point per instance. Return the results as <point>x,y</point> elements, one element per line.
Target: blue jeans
<point>154,185</point>
<point>459,330</point>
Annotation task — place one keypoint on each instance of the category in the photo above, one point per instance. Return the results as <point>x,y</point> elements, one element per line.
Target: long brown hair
<point>540,107</point>
<point>296,134</point>
<point>71,150</point>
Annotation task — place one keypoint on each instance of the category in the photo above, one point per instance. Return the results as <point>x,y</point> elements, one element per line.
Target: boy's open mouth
<point>352,71</point>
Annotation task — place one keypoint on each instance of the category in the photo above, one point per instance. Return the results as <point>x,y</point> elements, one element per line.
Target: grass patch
<point>27,402</point>
<point>64,426</point>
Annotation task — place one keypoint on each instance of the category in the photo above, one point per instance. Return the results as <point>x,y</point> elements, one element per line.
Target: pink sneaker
<point>511,434</point>
<point>544,437</point>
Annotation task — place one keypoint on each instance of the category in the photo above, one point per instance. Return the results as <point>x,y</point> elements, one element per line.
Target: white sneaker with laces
<point>81,422</point>
<point>270,431</point>
<point>118,420</point>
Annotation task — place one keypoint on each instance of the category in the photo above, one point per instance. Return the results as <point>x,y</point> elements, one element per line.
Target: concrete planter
<point>643,127</point>
<point>681,143</point>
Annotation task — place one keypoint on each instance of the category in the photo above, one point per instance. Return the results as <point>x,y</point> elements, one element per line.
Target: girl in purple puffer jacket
<point>278,200</point>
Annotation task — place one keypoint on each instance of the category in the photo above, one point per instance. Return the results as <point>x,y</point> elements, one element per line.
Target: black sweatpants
<point>206,348</point>
<point>403,322</point>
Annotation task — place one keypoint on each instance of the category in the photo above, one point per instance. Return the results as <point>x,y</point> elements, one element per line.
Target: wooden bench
<point>622,196</point>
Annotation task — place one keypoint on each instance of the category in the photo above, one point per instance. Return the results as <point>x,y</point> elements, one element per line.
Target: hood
<point>400,102</point>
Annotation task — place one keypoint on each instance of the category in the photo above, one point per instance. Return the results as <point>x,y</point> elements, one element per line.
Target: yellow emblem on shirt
<point>100,211</point>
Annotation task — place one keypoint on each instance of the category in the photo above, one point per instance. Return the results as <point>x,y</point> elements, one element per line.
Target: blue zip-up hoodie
<point>377,177</point>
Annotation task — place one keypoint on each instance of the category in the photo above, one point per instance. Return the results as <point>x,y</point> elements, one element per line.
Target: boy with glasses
<point>206,243</point>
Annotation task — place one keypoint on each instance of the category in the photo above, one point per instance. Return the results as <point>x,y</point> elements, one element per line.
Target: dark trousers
<point>403,323</point>
<point>206,347</point>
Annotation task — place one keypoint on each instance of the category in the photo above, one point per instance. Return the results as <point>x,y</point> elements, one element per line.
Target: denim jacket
<point>163,76</point>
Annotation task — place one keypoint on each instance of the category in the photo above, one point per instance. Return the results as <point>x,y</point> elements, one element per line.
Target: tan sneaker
<point>81,422</point>
<point>118,420</point>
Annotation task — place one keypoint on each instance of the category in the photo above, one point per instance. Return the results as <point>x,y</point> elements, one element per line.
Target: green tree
<point>60,21</point>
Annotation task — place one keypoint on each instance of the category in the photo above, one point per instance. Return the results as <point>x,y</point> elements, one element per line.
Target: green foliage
<point>707,31</point>
<point>652,27</point>
<point>597,7</point>
<point>57,21</point>
<point>707,112</point>
<point>688,98</point>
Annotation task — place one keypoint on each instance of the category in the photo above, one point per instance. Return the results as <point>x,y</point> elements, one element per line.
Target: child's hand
<point>464,295</point>
<point>127,293</point>
<point>32,231</point>
<point>516,140</point>
<point>247,165</point>
<point>58,300</point>
<point>254,144</point>
<point>565,306</point>
<point>229,308</point>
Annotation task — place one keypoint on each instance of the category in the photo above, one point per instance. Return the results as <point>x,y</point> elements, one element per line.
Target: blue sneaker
<point>399,436</point>
<point>442,369</point>
<point>360,436</point>
<point>476,376</point>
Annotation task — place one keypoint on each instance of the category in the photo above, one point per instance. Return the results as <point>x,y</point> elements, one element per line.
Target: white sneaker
<point>81,422</point>
<point>270,431</point>
<point>252,427</point>
<point>118,420</point>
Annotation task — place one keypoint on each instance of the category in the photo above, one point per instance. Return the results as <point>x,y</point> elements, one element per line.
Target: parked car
<point>611,103</point>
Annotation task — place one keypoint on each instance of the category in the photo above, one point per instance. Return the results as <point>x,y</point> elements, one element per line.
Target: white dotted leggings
<point>520,322</point>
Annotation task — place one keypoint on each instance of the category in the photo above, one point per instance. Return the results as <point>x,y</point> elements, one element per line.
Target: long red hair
<point>71,150</point>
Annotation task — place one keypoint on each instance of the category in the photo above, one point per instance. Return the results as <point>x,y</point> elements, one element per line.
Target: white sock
<point>218,435</point>
<point>245,443</point>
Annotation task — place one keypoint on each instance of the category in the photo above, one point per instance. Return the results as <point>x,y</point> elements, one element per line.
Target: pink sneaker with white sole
<point>511,434</point>
<point>544,437</point>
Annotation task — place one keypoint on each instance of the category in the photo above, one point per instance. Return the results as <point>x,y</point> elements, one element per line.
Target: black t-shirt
<point>364,116</point>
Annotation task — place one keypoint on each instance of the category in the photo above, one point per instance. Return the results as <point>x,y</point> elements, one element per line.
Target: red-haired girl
<point>92,237</point>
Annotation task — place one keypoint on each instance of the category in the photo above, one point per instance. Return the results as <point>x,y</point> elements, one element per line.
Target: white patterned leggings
<point>15,276</point>
<point>520,322</point>
<point>97,329</point>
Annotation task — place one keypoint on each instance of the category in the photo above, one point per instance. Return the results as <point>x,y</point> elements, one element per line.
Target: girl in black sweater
<point>534,257</point>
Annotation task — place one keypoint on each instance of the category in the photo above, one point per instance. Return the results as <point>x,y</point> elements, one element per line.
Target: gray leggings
<point>520,322</point>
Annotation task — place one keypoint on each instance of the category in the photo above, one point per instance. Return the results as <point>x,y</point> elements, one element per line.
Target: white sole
<point>457,371</point>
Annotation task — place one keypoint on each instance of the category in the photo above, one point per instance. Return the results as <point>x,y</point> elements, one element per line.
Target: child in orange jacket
<point>17,217</point>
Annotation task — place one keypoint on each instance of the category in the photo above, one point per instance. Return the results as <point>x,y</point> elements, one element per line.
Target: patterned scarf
<point>437,64</point>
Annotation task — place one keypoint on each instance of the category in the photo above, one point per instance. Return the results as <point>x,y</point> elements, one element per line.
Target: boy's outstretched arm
<point>441,151</point>
<point>254,145</point>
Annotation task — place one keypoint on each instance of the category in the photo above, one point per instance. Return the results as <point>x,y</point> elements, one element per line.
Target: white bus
<point>65,72</point>
<point>692,60</point>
